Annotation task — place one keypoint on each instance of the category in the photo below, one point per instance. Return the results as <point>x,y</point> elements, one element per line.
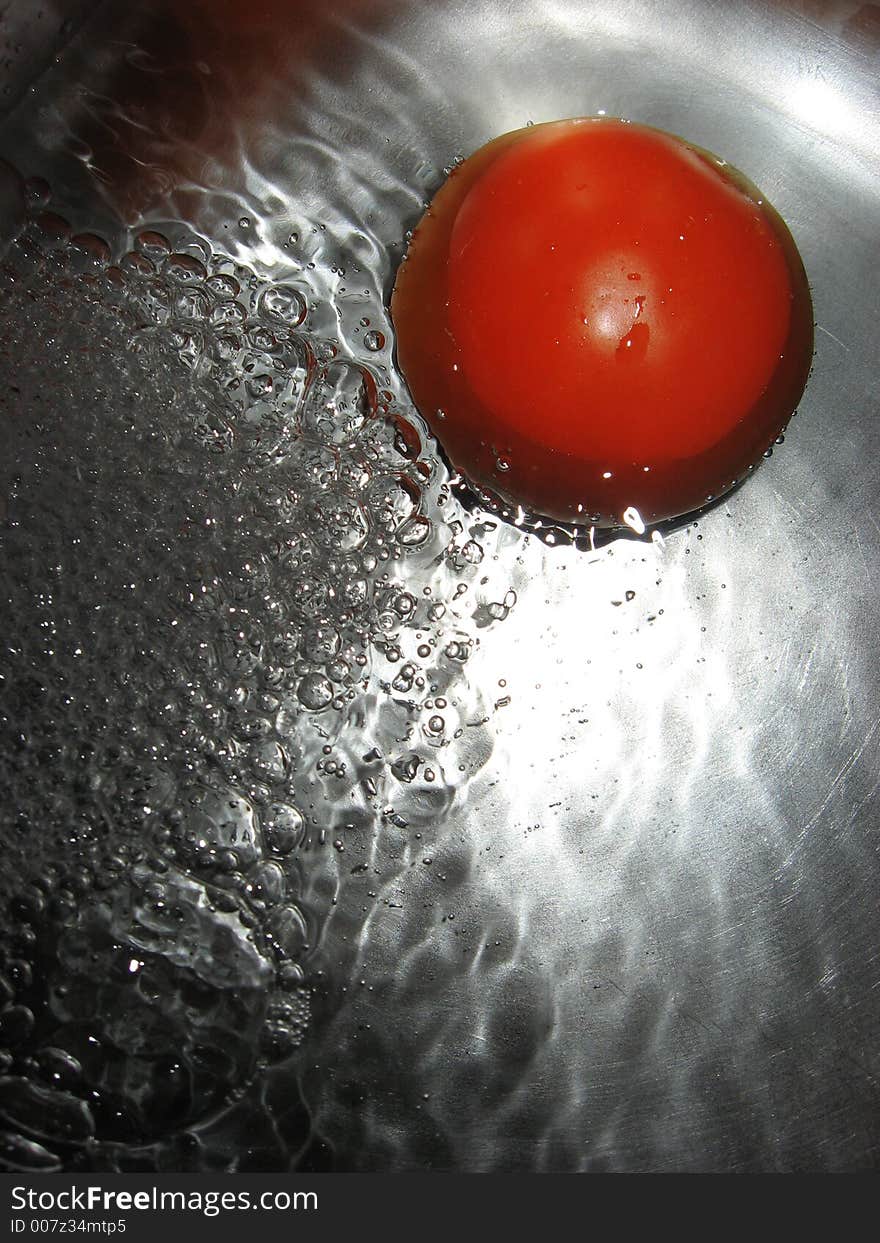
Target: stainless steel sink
<point>634,927</point>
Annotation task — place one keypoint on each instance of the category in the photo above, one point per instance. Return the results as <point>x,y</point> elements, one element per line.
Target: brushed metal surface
<point>655,943</point>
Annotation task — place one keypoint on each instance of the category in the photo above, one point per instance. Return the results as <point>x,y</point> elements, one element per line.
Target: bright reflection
<point>616,709</point>
<point>817,104</point>
<point>634,520</point>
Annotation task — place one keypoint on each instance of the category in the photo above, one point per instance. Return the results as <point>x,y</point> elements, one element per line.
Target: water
<point>238,605</point>
<point>635,930</point>
<point>244,597</point>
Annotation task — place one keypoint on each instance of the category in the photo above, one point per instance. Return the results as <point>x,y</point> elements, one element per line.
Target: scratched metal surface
<point>654,944</point>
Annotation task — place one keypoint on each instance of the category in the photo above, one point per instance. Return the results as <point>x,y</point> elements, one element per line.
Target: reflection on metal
<point>647,937</point>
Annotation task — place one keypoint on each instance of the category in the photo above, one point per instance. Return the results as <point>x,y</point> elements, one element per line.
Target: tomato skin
<point>607,317</point>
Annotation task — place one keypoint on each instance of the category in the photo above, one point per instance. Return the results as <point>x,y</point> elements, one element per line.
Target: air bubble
<point>53,230</point>
<point>137,264</point>
<point>260,386</point>
<point>184,269</point>
<point>320,644</point>
<point>472,552</point>
<point>222,285</point>
<point>93,251</point>
<point>283,304</point>
<point>341,400</point>
<point>242,580</point>
<point>154,245</point>
<point>315,692</point>
<point>414,532</point>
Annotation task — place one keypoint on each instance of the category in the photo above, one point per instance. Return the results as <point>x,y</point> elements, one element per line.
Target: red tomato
<point>595,316</point>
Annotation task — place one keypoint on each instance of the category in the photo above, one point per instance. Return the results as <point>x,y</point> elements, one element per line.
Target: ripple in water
<point>239,602</point>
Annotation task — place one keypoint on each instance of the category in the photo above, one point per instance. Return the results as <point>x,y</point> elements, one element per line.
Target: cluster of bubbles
<point>238,602</point>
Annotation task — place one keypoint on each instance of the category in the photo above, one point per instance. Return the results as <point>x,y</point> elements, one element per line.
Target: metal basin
<point>631,922</point>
